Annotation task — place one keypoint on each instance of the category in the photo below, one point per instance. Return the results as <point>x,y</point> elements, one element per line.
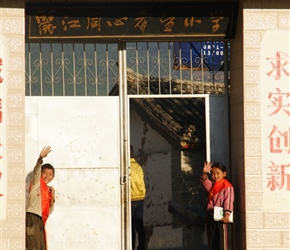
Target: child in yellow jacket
<point>138,192</point>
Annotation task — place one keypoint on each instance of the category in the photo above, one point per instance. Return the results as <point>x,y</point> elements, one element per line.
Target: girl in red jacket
<point>220,194</point>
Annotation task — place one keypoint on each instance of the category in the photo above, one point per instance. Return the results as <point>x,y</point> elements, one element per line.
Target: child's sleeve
<point>37,171</point>
<point>206,183</point>
<point>228,205</point>
<point>37,168</point>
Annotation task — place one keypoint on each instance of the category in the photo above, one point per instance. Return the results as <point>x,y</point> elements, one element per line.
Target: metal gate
<point>129,71</point>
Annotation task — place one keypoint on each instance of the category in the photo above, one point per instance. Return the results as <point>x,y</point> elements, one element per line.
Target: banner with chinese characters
<point>275,119</point>
<point>131,21</point>
<point>3,170</point>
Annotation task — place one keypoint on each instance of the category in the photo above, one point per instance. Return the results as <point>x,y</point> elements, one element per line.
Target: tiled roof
<point>180,120</point>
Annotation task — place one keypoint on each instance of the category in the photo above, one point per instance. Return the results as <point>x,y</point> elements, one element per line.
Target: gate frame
<point>125,134</point>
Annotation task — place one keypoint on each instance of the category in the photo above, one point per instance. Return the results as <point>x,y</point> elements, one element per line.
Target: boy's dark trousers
<point>35,238</point>
<point>137,224</point>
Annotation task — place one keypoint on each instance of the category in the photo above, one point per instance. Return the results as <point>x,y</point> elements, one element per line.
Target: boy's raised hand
<point>45,151</point>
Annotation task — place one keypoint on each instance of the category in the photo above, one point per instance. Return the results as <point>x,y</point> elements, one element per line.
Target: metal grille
<point>70,69</point>
<point>152,68</point>
<point>176,68</point>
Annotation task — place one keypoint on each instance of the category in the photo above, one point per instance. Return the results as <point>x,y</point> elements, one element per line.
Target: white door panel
<point>77,228</point>
<point>84,135</point>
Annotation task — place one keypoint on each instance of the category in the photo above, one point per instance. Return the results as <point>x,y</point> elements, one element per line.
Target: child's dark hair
<point>219,166</point>
<point>48,166</point>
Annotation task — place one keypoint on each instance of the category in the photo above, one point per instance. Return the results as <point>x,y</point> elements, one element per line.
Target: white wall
<point>266,35</point>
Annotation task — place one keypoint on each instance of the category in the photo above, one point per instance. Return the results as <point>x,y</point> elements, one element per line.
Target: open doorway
<point>169,138</point>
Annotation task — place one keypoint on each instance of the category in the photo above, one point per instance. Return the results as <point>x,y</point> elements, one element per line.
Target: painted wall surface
<point>12,223</point>
<point>3,133</point>
<point>85,153</point>
<point>266,120</point>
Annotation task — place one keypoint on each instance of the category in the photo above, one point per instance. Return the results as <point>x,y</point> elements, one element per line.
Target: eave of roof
<point>179,120</point>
